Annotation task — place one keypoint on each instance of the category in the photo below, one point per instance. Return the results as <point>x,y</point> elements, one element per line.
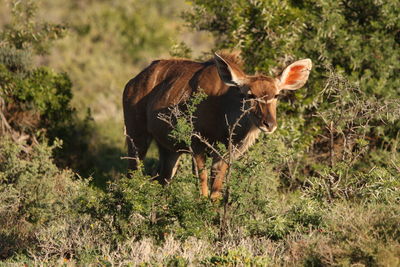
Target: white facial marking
<point>273,130</point>
<point>266,130</point>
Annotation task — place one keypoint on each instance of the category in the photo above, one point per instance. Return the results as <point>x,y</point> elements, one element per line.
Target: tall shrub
<point>349,108</point>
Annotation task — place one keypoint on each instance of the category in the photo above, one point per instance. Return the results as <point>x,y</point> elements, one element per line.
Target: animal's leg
<point>218,171</point>
<point>168,165</point>
<point>200,161</point>
<point>138,145</point>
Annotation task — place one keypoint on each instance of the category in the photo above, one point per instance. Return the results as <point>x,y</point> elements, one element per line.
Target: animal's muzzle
<point>268,127</point>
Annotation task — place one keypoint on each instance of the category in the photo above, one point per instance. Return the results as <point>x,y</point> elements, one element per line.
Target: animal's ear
<point>230,73</point>
<point>295,75</point>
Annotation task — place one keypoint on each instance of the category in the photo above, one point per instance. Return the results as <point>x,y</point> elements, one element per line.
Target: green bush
<point>34,194</point>
<point>348,35</point>
<point>145,208</point>
<point>352,87</point>
<point>15,60</point>
<point>41,96</point>
<point>377,185</point>
<point>35,97</point>
<point>58,218</point>
<point>25,32</point>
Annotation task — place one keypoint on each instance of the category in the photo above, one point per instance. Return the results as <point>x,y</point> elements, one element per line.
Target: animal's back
<point>160,75</point>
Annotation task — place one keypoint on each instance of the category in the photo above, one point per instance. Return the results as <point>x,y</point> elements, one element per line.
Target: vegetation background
<point>323,190</point>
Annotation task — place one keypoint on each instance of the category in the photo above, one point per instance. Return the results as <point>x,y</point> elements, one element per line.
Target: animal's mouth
<point>263,129</point>
<point>263,126</point>
<point>266,129</point>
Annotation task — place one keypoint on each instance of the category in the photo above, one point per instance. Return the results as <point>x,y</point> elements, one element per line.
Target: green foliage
<point>145,208</point>
<point>37,100</point>
<point>180,50</point>
<point>237,257</point>
<point>255,201</point>
<point>15,60</point>
<point>34,193</point>
<point>49,212</point>
<point>24,32</point>
<point>345,34</point>
<point>40,95</point>
<point>377,185</point>
<point>183,118</point>
<point>39,91</point>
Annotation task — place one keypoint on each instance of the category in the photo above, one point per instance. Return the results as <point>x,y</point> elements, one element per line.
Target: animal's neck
<point>245,131</point>
<point>248,140</point>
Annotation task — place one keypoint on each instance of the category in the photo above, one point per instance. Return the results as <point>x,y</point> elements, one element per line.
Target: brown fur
<point>170,82</point>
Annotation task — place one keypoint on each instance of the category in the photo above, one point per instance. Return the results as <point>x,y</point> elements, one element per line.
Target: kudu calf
<point>166,83</point>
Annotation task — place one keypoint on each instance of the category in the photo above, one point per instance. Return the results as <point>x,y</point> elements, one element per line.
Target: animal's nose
<point>271,126</point>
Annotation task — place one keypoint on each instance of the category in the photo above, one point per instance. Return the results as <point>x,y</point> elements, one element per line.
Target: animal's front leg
<point>200,161</point>
<point>218,171</point>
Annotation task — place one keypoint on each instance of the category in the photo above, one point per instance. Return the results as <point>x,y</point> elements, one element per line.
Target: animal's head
<point>263,91</point>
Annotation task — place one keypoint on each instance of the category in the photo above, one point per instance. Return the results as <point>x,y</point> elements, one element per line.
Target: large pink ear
<point>230,73</point>
<point>295,75</point>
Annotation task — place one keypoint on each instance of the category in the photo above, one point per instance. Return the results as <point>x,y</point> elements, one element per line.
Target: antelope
<point>167,83</point>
